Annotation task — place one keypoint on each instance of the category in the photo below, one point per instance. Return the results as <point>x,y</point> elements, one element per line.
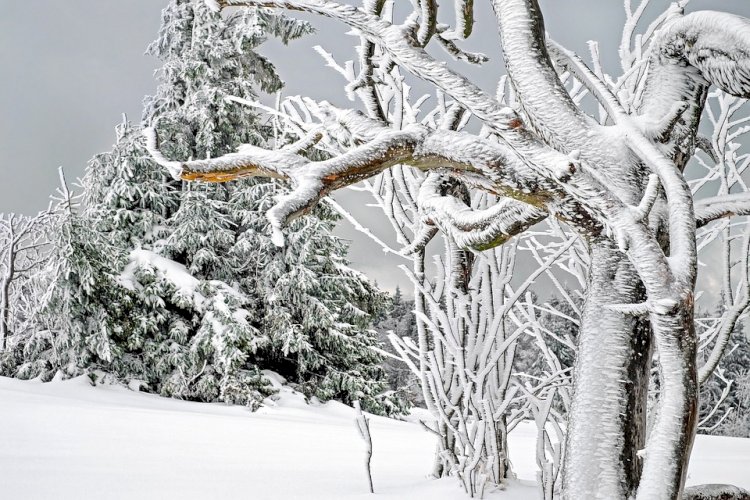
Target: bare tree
<point>467,330</point>
<point>618,182</point>
<point>23,241</point>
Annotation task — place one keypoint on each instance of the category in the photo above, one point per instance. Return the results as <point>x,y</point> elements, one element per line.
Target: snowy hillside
<point>69,440</point>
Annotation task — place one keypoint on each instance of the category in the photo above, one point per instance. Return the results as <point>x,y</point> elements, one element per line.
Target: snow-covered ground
<point>69,440</point>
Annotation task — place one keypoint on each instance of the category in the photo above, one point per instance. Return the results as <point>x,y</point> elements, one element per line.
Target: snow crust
<point>69,440</point>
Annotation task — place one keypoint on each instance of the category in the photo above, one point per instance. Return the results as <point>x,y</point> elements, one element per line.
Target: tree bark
<point>672,435</point>
<point>5,297</point>
<point>607,422</point>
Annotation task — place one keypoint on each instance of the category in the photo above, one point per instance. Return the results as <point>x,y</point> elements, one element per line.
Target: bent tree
<point>619,182</point>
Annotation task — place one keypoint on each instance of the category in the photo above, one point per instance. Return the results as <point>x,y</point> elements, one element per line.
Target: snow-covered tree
<point>619,181</point>
<point>78,311</point>
<point>126,196</point>
<point>23,249</point>
<point>212,300</point>
<point>399,319</point>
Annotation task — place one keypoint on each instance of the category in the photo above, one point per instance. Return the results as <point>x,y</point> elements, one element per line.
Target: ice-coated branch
<point>458,53</point>
<point>661,129</point>
<point>730,317</point>
<point>704,144</point>
<point>427,21</point>
<point>363,426</point>
<point>474,229</point>
<point>571,62</point>
<point>716,45</point>
<point>364,81</point>
<point>398,45</point>
<point>649,198</point>
<point>248,161</point>
<point>464,17</point>
<point>384,147</point>
<point>717,207</point>
<point>544,99</point>
<point>359,227</point>
<point>631,21</point>
<point>703,424</point>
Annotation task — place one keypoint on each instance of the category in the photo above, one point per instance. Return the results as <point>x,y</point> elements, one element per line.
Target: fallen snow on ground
<point>69,440</point>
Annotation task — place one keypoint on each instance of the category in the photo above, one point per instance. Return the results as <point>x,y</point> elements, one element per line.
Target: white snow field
<point>70,440</point>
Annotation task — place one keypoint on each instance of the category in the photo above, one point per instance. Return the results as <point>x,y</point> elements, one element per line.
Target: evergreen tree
<point>399,318</point>
<point>80,313</point>
<point>317,315</point>
<point>177,288</point>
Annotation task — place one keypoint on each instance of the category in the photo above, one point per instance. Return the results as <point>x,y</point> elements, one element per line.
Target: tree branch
<point>398,45</point>
<point>545,101</point>
<point>716,207</point>
<point>688,54</point>
<point>475,229</point>
<point>415,145</point>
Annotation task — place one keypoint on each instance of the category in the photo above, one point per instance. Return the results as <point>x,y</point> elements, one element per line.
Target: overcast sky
<point>70,68</point>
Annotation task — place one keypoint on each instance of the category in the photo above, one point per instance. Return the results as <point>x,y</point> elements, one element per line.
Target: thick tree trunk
<point>607,420</point>
<point>672,435</point>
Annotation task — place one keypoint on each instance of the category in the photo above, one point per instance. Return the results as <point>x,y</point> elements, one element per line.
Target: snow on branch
<point>716,43</point>
<point>382,147</point>
<point>729,317</point>
<point>717,207</point>
<point>464,17</point>
<point>545,100</point>
<point>445,40</point>
<point>405,51</point>
<point>427,21</point>
<point>474,229</point>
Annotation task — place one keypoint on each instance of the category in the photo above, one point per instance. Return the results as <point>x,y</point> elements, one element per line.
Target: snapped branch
<point>381,147</point>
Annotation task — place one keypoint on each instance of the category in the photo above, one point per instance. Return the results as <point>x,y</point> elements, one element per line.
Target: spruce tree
<point>80,312</point>
<point>197,300</point>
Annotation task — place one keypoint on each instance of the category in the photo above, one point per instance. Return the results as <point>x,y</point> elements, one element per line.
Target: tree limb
<point>716,207</point>
<point>475,229</point>
<point>415,145</point>
<point>397,44</point>
<point>544,99</point>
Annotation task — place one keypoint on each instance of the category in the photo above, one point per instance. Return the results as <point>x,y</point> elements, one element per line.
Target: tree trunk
<point>672,435</point>
<point>607,421</point>
<point>5,310</point>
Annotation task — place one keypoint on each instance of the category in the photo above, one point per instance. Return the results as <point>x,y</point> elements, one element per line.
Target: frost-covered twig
<point>363,426</point>
<point>713,208</point>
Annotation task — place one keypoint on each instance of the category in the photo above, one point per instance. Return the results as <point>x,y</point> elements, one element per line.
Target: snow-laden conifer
<point>182,291</point>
